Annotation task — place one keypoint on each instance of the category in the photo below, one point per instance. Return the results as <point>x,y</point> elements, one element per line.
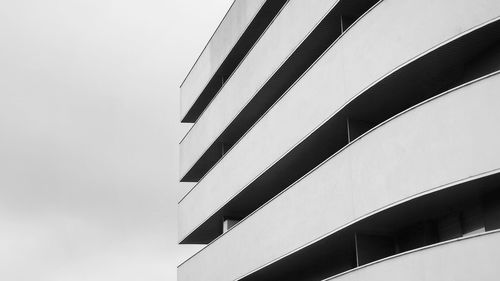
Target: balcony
<point>241,27</point>
<point>357,183</point>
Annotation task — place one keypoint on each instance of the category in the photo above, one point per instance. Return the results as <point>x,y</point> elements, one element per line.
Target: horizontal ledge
<point>459,194</point>
<point>352,143</point>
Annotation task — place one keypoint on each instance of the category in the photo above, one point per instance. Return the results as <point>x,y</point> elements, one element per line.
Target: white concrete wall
<point>450,138</point>
<point>391,34</point>
<point>470,259</point>
<point>285,34</point>
<point>227,34</point>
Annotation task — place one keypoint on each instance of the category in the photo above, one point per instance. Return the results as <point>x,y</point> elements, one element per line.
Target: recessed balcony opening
<point>244,44</point>
<point>455,63</point>
<point>458,211</point>
<point>228,223</point>
<point>343,15</point>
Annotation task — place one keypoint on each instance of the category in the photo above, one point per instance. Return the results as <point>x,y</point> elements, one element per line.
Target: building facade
<point>344,140</point>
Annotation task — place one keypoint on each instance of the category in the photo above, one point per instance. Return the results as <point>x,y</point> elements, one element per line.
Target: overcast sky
<point>89,111</point>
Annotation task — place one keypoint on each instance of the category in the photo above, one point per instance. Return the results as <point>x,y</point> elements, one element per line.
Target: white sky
<point>89,130</point>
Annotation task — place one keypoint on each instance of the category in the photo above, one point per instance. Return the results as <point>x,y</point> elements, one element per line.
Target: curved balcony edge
<point>202,153</point>
<point>364,90</point>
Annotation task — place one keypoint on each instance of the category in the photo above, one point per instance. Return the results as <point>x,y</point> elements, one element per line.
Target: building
<point>344,140</point>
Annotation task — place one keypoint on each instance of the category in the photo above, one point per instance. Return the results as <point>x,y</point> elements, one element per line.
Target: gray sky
<point>89,110</point>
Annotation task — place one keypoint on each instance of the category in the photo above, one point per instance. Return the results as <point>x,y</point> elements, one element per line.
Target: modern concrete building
<point>344,140</point>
